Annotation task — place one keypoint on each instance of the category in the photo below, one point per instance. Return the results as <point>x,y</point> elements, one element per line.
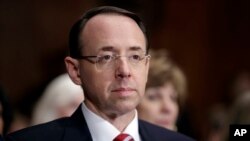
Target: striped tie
<point>123,137</point>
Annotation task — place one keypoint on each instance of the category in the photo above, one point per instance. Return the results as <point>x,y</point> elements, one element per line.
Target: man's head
<point>108,58</point>
<point>75,45</point>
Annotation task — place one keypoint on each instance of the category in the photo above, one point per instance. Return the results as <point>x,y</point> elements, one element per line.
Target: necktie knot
<point>123,137</point>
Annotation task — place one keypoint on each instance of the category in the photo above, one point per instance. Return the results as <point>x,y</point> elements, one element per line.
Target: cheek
<point>177,110</point>
<point>149,111</point>
<point>95,80</point>
<point>148,107</point>
<point>103,81</point>
<point>140,80</point>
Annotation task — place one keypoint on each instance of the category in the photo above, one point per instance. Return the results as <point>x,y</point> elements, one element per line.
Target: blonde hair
<point>59,92</point>
<point>163,70</point>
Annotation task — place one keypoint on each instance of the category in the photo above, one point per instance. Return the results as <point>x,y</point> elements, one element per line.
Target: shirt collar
<point>101,130</point>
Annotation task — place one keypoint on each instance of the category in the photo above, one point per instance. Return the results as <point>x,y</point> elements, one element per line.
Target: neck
<point>118,120</point>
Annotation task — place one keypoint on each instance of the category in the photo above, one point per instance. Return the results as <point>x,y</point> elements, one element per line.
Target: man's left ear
<point>72,66</point>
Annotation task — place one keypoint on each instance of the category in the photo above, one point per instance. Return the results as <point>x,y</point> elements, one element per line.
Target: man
<point>108,58</point>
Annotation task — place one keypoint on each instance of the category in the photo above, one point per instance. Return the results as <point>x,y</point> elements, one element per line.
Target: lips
<point>123,91</point>
<point>163,122</point>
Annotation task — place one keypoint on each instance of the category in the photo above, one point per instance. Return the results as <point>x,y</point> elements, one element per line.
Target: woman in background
<point>165,91</point>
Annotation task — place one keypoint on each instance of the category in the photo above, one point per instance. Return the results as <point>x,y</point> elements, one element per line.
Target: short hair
<point>74,42</point>
<point>163,70</point>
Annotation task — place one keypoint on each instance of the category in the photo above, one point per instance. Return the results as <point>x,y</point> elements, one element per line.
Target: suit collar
<point>76,128</point>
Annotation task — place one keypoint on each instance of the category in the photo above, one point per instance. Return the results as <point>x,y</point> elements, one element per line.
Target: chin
<point>173,128</point>
<point>123,108</point>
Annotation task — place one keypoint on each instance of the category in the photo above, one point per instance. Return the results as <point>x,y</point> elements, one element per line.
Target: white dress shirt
<point>101,130</point>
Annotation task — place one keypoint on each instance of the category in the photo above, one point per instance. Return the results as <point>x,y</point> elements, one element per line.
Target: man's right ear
<point>72,66</point>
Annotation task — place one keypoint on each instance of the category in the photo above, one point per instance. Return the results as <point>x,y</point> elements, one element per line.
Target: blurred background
<point>209,39</point>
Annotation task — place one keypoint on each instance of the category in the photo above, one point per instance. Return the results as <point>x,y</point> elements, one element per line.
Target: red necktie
<point>123,137</point>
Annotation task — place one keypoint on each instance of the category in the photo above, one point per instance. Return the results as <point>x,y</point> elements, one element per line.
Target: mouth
<point>123,91</point>
<point>163,122</point>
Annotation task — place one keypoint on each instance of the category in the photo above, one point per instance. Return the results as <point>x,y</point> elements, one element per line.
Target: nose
<point>122,68</point>
<point>167,106</point>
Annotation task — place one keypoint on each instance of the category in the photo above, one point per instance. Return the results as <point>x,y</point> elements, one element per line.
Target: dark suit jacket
<point>75,128</point>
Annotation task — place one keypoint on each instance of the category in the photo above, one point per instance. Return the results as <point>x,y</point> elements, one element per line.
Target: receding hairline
<point>107,14</point>
<point>74,43</point>
<point>110,10</point>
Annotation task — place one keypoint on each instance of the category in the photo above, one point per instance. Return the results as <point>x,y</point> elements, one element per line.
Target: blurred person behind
<point>5,113</point>
<point>239,110</point>
<point>240,85</point>
<point>165,91</point>
<point>239,113</point>
<point>60,99</point>
<point>218,122</point>
<point>235,111</point>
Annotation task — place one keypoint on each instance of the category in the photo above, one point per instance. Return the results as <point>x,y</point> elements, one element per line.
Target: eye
<point>153,97</point>
<point>135,57</point>
<point>104,59</point>
<point>107,57</point>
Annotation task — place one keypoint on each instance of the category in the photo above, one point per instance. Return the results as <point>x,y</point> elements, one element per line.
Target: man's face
<point>118,89</point>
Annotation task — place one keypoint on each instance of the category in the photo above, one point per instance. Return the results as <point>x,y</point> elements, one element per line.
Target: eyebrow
<point>107,48</point>
<point>136,48</point>
<point>111,48</point>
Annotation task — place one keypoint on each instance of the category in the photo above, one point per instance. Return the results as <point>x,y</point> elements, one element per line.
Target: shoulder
<point>153,132</point>
<point>48,131</point>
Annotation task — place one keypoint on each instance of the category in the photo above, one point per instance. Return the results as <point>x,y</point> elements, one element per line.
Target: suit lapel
<point>145,136</point>
<point>76,128</point>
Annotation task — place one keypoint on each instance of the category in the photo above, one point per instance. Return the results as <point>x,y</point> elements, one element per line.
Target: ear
<point>147,68</point>
<point>72,66</point>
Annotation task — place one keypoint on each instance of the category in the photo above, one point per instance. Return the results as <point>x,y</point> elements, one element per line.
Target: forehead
<point>105,19</point>
<point>112,31</point>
